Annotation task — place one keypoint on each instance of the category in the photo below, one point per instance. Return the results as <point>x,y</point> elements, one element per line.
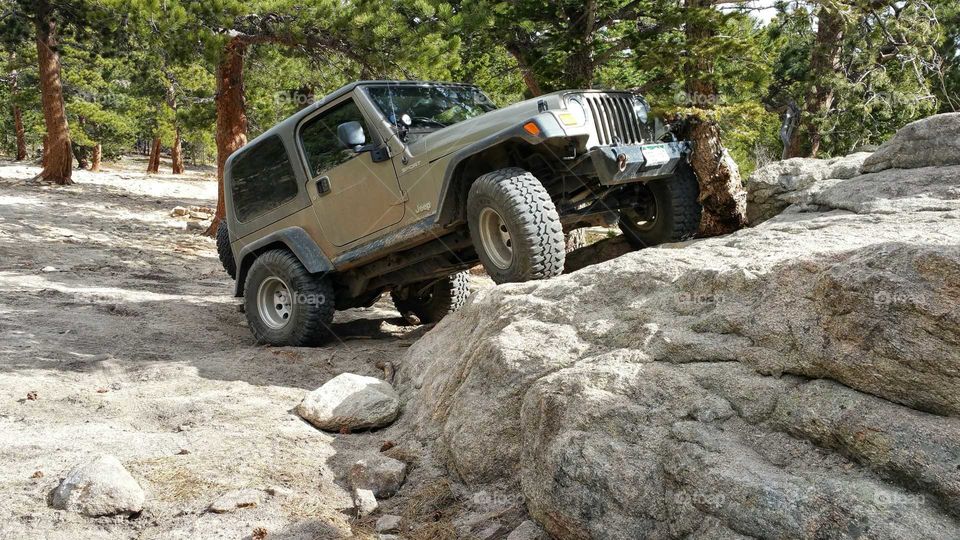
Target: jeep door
<point>353,195</point>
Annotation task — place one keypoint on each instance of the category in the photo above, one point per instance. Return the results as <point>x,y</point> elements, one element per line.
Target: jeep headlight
<point>641,109</point>
<point>576,113</point>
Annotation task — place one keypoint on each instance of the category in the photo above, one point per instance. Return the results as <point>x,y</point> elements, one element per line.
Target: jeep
<point>402,186</point>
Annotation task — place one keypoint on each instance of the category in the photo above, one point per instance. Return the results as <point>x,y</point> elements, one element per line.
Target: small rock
<point>32,395</point>
<point>527,530</point>
<point>279,491</point>
<point>364,501</point>
<point>183,452</point>
<point>179,211</point>
<point>37,474</point>
<point>99,487</point>
<point>351,401</point>
<point>380,474</point>
<point>196,226</point>
<point>233,500</point>
<point>388,524</point>
<point>49,269</point>
<point>388,537</point>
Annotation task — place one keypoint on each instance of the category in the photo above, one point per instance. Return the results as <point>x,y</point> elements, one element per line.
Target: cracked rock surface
<point>797,379</point>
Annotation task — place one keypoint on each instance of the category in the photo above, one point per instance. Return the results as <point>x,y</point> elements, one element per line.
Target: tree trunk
<point>80,153</point>
<point>722,196</point>
<point>97,157</point>
<point>21,137</point>
<point>824,61</point>
<point>525,70</point>
<point>231,117</point>
<point>153,165</point>
<point>701,91</point>
<point>58,158</point>
<point>176,154</point>
<point>18,130</point>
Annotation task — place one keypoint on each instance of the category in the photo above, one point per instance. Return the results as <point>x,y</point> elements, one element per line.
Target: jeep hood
<point>445,141</point>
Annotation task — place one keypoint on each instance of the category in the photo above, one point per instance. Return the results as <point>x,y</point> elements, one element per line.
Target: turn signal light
<point>532,128</point>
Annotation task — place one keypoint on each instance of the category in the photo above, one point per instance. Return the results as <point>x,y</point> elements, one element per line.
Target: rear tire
<point>440,299</point>
<point>224,251</point>
<point>676,211</point>
<point>515,227</point>
<point>285,304</point>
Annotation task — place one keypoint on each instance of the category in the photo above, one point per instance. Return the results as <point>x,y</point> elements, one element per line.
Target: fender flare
<point>293,238</point>
<point>550,128</point>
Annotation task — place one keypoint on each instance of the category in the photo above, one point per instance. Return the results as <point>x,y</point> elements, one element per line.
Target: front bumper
<point>625,164</point>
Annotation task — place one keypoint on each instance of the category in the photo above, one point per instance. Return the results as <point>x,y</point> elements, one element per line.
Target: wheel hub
<point>496,239</point>
<point>274,303</point>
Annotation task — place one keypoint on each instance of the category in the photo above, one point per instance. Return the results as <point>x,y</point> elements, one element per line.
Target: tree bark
<point>231,117</point>
<point>97,157</point>
<point>701,91</point>
<point>21,136</point>
<point>176,154</point>
<point>722,196</point>
<point>58,158</point>
<point>18,130</point>
<point>525,70</point>
<point>153,165</point>
<point>80,153</point>
<point>824,61</point>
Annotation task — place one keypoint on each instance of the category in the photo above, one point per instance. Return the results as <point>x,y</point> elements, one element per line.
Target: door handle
<point>323,185</point>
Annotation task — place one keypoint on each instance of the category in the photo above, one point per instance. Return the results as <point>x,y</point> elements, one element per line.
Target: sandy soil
<point>120,325</point>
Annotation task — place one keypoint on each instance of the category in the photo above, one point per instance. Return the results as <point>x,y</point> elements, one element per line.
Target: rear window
<point>263,179</point>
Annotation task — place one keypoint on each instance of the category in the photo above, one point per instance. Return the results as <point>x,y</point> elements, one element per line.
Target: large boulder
<point>929,142</point>
<point>99,487</point>
<point>774,187</point>
<point>795,379</point>
<point>351,402</point>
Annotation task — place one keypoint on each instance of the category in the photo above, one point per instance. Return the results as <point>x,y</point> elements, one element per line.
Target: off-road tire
<point>443,297</point>
<point>224,251</point>
<point>311,309</point>
<point>531,219</point>
<point>677,215</point>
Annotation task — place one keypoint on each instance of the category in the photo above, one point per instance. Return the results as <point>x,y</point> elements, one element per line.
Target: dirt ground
<point>119,334</point>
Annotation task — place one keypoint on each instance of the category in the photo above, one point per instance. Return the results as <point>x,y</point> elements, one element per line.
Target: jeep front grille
<point>614,119</point>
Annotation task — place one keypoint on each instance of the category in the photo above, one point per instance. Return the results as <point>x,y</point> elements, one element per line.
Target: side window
<point>319,137</point>
<point>263,179</point>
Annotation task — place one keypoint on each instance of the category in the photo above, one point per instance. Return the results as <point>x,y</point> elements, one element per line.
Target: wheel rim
<point>495,237</point>
<point>274,303</point>
<point>639,222</point>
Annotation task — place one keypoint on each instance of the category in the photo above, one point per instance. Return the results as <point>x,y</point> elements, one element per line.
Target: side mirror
<point>351,135</point>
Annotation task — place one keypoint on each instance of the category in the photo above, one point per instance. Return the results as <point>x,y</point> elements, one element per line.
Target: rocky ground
<point>796,379</point>
<point>119,334</point>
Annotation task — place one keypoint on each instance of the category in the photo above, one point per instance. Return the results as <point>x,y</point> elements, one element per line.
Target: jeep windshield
<point>429,106</point>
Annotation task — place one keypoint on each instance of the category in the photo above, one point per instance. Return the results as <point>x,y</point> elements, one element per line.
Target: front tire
<point>286,305</point>
<point>515,227</point>
<point>431,302</point>
<point>670,213</point>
